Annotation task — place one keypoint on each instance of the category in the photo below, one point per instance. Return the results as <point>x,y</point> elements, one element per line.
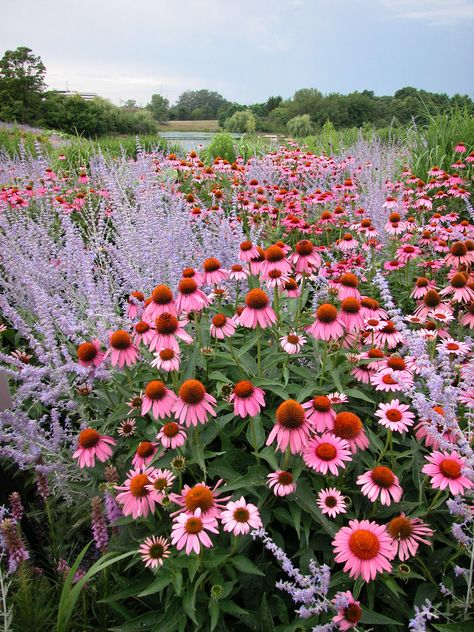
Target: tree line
<point>24,98</point>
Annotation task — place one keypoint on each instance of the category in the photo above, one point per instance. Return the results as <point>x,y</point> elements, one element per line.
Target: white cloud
<point>439,12</point>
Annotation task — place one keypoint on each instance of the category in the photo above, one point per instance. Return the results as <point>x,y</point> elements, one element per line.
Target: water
<point>191,140</point>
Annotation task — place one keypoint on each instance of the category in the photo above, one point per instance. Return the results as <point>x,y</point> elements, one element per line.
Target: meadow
<point>242,383</point>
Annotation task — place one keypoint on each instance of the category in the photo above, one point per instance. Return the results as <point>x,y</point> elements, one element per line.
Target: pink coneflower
<point>240,516</point>
<point>172,435</point>
<point>305,257</point>
<point>159,399</point>
<point>247,251</point>
<point>122,351</point>
<point>406,534</point>
<point>395,416</point>
<point>460,148</point>
<point>407,253</point>
<point>291,427</point>
<point>331,502</point>
<point>237,273</point>
<point>275,260</point>
<point>213,273</point>
<point>319,413</point>
<point>89,354</point>
<point>445,470</point>
<point>190,298</point>
<point>348,426</point>
<point>167,329</point>
<point>459,254</point>
<point>459,288</point>
<point>453,347</point>
<point>327,453</point>
<point>126,428</point>
<point>166,360</point>
<point>160,483</point>
<point>328,324</point>
<point>350,314</point>
<point>349,612</point>
<point>467,319</point>
<point>257,310</point>
<point>393,264</point>
<point>143,333</point>
<point>422,286</point>
<point>389,380</point>
<point>194,404</point>
<point>222,326</point>
<point>255,263</point>
<point>370,308</point>
<point>201,497</point>
<point>190,531</point>
<point>374,324</point>
<point>281,482</point>
<point>219,293</point>
<point>337,398</point>
<point>91,445</point>
<point>136,498</point>
<point>347,243</point>
<point>292,343</point>
<point>347,286</point>
<point>365,547</point>
<point>248,399</point>
<point>144,455</point>
<point>274,278</point>
<point>380,481</point>
<point>161,302</point>
<point>388,336</point>
<point>154,550</point>
<point>135,304</point>
<point>291,289</point>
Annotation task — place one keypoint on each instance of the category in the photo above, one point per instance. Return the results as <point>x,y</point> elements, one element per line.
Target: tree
<point>193,99</point>
<point>21,85</point>
<point>300,126</point>
<point>241,122</point>
<point>130,104</point>
<point>159,107</point>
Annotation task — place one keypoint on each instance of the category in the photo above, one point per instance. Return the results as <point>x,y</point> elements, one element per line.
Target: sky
<point>247,50</point>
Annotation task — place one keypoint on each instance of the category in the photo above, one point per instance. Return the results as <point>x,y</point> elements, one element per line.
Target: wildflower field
<point>242,393</point>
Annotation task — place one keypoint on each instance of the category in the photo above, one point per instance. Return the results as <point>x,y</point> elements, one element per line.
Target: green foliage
<point>241,122</point>
<point>300,126</point>
<point>197,105</point>
<point>221,145</point>
<point>159,107</point>
<point>21,85</point>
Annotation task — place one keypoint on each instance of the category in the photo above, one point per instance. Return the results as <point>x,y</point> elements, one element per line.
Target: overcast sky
<point>247,50</point>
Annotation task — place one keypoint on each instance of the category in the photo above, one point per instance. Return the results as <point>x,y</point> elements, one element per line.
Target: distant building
<point>87,96</point>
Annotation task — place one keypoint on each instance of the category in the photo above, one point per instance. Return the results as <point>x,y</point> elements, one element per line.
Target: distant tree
<point>192,99</point>
<point>130,103</point>
<point>272,103</point>
<point>300,126</point>
<point>159,107</point>
<point>241,122</point>
<point>21,85</point>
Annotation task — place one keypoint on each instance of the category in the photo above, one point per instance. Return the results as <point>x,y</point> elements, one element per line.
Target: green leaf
<point>255,432</point>
<point>368,616</point>
<point>163,580</point>
<point>189,607</point>
<point>244,565</point>
<point>354,392</point>
<point>215,614</point>
<point>231,608</point>
<point>265,619</point>
<point>464,626</point>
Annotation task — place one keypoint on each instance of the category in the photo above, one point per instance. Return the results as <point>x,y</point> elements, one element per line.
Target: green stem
<point>259,353</point>
<point>435,500</point>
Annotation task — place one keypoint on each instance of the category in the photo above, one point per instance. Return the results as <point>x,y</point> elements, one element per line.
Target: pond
<point>191,140</point>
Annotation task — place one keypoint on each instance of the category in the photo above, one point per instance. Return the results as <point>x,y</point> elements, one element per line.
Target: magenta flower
<point>201,497</point>
<point>248,399</point>
<point>257,310</point>
<point>319,413</point>
<point>328,324</point>
<point>395,416</point>
<point>161,301</point>
<point>380,481</point>
<point>91,445</point>
<point>122,350</point>
<point>159,399</point>
<point>291,427</point>
<point>190,531</point>
<point>89,354</point>
<point>349,612</point>
<point>240,516</point>
<point>144,455</point>
<point>281,482</point>
<point>331,502</point>
<point>194,404</point>
<point>190,297</point>
<point>445,470</point>
<point>327,453</point>
<point>136,496</point>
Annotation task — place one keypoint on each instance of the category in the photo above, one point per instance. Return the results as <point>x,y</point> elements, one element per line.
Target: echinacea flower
<point>257,310</point>
<point>166,360</point>
<point>222,327</point>
<point>240,516</point>
<point>326,453</point>
<point>190,531</point>
<point>247,251</point>
<point>172,435</point>
<point>122,350</point>
<point>154,550</point>
<point>319,413</point>
<point>347,286</point>
<point>381,482</point>
<point>135,304</point>
<point>158,399</point>
<point>406,534</point>
<point>143,333</point>
<point>365,548</point>
<point>126,428</point>
<point>91,445</point>
<point>247,398</point>
<point>350,315</point>
<point>161,301</point>
<point>160,483</point>
<point>135,496</point>
<point>348,426</point>
<point>281,482</point>
<point>292,343</point>
<point>451,346</point>
<point>305,257</point>
<point>237,272</point>
<point>395,416</point>
<point>167,330</point>
<point>194,404</point>
<point>291,427</point>
<point>212,272</point>
<point>144,455</point>
<point>328,324</point>
<point>89,354</point>
<point>275,260</point>
<point>201,497</point>
<point>445,470</point>
<point>349,612</point>
<point>331,502</point>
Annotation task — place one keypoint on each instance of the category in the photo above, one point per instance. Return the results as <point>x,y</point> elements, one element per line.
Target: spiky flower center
<point>383,476</point>
<point>193,525</point>
<point>166,324</point>
<point>145,449</point>
<point>219,320</point>
<point>200,496</point>
<point>458,280</point>
<point>400,528</point>
<point>170,430</point>
<point>293,339</point>
<point>155,390</point>
<point>325,451</point>
<point>256,299</point>
<point>167,354</point>
<point>274,254</point>
<point>89,438</point>
<point>244,389</point>
<point>120,340</point>
<point>285,478</point>
<point>142,327</point>
<point>422,282</point>
<point>326,313</point>
<point>396,363</point>
<point>156,551</point>
<point>393,414</point>
<point>353,613</point>
<point>211,265</point>
<point>348,279</point>
<point>450,468</point>
<point>290,415</point>
<point>321,403</point>
<point>347,426</point>
<point>432,298</point>
<point>304,247</point>
<point>192,392</point>
<point>162,295</point>
<point>458,249</point>
<point>364,544</point>
<point>138,485</point>
<point>241,514</point>
<point>187,286</point>
<point>350,305</point>
<point>245,246</point>
<point>86,352</point>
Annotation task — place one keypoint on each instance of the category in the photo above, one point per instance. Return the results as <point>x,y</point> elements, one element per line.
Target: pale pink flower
<point>161,302</point>
<point>240,516</point>
<point>201,497</point>
<point>166,360</point>
<point>194,404</point>
<point>380,482</point>
<point>167,330</point>
<point>122,350</point>
<point>159,399</point>
<point>190,298</point>
<point>222,326</point>
<point>144,455</point>
<point>190,531</point>
<point>136,498</point>
<point>91,445</point>
<point>257,310</point>
<point>395,416</point>
<point>292,343</point>
<point>445,470</point>
<point>247,398</point>
<point>291,427</point>
<point>406,534</point>
<point>154,550</point>
<point>89,354</point>
<point>319,413</point>
<point>172,435</point>
<point>331,502</point>
<point>281,482</point>
<point>328,324</point>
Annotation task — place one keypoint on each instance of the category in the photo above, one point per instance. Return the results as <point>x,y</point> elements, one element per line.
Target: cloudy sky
<point>245,49</point>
